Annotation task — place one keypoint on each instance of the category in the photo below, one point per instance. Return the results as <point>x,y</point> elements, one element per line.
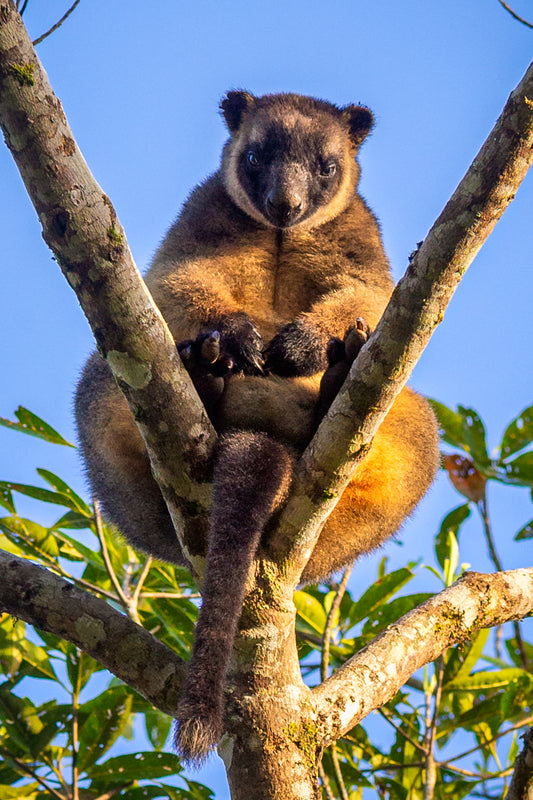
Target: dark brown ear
<point>359,120</point>
<point>233,107</point>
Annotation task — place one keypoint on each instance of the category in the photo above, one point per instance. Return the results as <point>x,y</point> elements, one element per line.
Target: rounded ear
<point>233,107</point>
<point>359,120</point>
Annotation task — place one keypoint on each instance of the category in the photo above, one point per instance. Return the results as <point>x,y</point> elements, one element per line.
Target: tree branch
<point>81,227</point>
<point>521,787</point>
<point>40,598</point>
<point>416,308</point>
<point>370,678</point>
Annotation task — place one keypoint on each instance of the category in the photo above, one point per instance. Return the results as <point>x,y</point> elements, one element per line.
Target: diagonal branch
<point>81,227</point>
<point>43,599</point>
<point>370,678</point>
<point>414,311</point>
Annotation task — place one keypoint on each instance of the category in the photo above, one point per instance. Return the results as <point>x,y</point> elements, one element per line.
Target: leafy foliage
<point>461,715</point>
<point>70,738</point>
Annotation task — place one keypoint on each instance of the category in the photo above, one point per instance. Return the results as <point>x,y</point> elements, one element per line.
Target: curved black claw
<point>241,340</point>
<point>297,349</point>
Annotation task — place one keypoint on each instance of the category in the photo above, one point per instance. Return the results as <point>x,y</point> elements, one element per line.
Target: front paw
<point>241,340</point>
<point>297,349</point>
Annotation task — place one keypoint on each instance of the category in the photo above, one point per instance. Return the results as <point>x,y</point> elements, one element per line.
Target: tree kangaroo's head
<point>290,160</point>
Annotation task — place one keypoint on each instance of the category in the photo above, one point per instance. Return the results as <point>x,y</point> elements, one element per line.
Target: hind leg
<point>118,467</point>
<point>387,484</point>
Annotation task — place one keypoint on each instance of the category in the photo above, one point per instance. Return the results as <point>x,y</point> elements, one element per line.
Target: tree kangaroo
<point>272,258</point>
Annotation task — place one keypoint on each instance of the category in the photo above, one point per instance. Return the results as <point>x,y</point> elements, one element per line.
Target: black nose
<point>283,207</point>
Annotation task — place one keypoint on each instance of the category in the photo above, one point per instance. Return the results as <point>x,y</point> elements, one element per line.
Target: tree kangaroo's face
<point>287,166</point>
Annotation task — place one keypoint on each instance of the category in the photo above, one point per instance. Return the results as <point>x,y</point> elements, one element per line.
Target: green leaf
<point>78,504</point>
<point>514,651</point>
<point>379,593</point>
<point>518,435</point>
<point>38,493</point>
<point>452,561</point>
<point>463,659</point>
<point>474,437</point>
<point>384,615</point>
<point>73,520</point>
<point>149,792</point>
<point>525,533</point>
<point>508,698</point>
<point>80,667</point>
<point>37,657</point>
<point>109,714</point>
<point>135,767</point>
<point>520,471</point>
<point>34,426</point>
<point>20,720</point>
<point>81,551</point>
<point>450,424</point>
<point>487,679</point>
<point>27,792</point>
<point>513,751</point>
<point>450,524</point>
<point>32,538</point>
<point>157,727</point>
<point>6,500</point>
<point>310,612</point>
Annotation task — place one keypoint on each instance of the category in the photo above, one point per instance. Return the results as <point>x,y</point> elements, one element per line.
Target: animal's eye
<point>328,169</point>
<point>251,159</point>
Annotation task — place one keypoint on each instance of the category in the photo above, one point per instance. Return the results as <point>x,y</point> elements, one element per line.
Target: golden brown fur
<point>282,235</point>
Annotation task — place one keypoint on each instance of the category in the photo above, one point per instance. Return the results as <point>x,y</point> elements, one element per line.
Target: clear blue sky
<point>141,82</point>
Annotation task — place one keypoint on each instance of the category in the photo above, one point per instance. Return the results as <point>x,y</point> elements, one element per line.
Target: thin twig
<point>105,553</point>
<point>142,578</point>
<point>401,731</point>
<point>431,766</point>
<point>75,732</point>
<point>325,783</point>
<point>324,664</point>
<point>113,792</point>
<point>330,622</point>
<point>172,595</point>
<point>339,780</point>
<point>23,9</point>
<point>484,776</point>
<point>516,726</point>
<point>514,14</point>
<point>57,25</point>
<point>29,771</point>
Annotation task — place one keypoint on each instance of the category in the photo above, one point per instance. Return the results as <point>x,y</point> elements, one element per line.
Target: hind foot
<point>340,353</point>
<point>208,366</point>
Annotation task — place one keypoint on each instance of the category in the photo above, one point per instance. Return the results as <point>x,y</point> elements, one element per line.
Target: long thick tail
<point>250,478</point>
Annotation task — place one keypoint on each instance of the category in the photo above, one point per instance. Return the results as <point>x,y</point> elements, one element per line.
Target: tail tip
<point>195,738</point>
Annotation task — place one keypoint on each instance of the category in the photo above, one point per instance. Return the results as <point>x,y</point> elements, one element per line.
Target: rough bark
<point>130,652</point>
<point>370,678</point>
<point>81,227</point>
<point>521,787</point>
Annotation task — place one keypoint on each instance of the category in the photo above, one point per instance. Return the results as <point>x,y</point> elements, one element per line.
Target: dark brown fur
<point>297,250</point>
